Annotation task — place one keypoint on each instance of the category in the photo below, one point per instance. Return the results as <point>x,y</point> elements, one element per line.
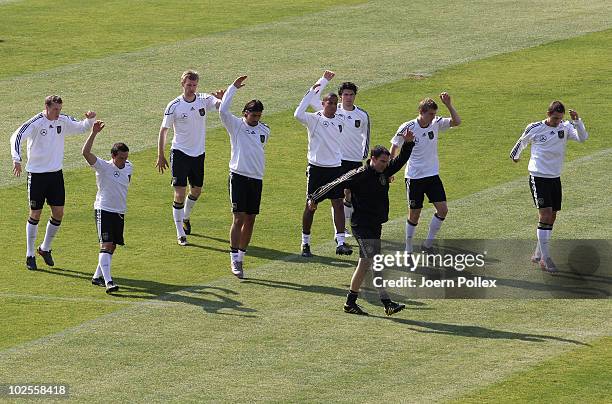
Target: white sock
<point>188,206</point>
<point>52,228</point>
<point>241,255</point>
<point>410,229</point>
<point>31,232</point>
<point>234,256</point>
<point>98,271</point>
<point>537,252</point>
<point>305,238</point>
<point>543,239</point>
<point>104,263</point>
<point>340,238</point>
<point>434,227</point>
<point>348,212</point>
<point>178,215</point>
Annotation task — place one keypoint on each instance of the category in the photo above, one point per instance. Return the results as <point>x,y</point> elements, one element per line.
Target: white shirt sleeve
<point>100,165</point>
<point>315,102</point>
<point>300,113</point>
<point>18,138</point>
<point>443,123</point>
<point>523,141</point>
<point>74,127</point>
<point>398,139</point>
<point>231,122</point>
<point>577,131</point>
<point>210,102</point>
<point>168,120</point>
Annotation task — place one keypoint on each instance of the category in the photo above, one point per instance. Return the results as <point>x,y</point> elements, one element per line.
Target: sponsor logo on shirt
<point>542,138</point>
<point>43,132</point>
<point>184,116</point>
<point>116,174</point>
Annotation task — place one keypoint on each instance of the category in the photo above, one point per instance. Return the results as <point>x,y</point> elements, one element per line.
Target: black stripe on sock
<point>411,224</point>
<point>441,218</point>
<point>55,222</point>
<point>177,205</point>
<point>33,221</point>
<point>193,198</point>
<point>103,251</point>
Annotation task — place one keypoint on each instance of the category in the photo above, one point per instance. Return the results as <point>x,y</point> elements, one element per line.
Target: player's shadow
<point>475,331</point>
<point>211,299</point>
<point>369,296</point>
<point>277,255</point>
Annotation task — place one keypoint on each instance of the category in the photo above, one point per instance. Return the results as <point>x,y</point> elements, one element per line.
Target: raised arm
<point>227,118</point>
<point>300,111</point>
<point>75,127</point>
<point>398,162</point>
<point>579,132</point>
<point>446,100</point>
<point>315,102</point>
<point>86,151</point>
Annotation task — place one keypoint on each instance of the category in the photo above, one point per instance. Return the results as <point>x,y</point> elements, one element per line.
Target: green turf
<point>190,332</point>
<point>564,379</point>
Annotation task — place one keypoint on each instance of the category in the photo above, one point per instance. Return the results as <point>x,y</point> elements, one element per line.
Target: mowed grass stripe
<point>35,44</point>
<point>130,90</point>
<point>580,375</point>
<point>284,326</point>
<point>153,264</point>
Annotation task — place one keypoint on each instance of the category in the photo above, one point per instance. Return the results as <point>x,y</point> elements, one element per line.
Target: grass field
<point>182,328</point>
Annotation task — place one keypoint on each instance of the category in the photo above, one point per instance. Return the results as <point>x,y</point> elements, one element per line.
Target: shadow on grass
<point>369,296</point>
<point>211,299</point>
<point>274,255</point>
<point>475,331</point>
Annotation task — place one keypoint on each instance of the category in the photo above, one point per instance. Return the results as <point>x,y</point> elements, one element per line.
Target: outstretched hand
<point>238,83</point>
<point>218,94</point>
<point>445,98</point>
<point>574,115</point>
<point>328,75</point>
<point>97,127</point>
<point>90,114</point>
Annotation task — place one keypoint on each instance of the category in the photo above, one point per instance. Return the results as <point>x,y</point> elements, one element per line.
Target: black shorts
<point>368,238</point>
<point>317,176</point>
<point>418,188</point>
<point>49,186</point>
<point>109,226</point>
<point>244,193</point>
<point>546,192</point>
<point>185,167</point>
<point>350,165</point>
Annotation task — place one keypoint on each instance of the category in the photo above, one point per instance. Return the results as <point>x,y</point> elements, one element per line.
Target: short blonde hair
<point>191,75</point>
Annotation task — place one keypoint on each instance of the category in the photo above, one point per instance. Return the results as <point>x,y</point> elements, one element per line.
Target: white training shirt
<point>113,183</point>
<point>423,161</point>
<point>548,146</point>
<point>46,141</point>
<point>324,134</point>
<point>247,142</point>
<point>355,145</point>
<point>188,120</point>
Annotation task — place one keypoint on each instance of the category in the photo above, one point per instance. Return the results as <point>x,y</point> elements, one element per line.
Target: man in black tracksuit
<point>369,187</point>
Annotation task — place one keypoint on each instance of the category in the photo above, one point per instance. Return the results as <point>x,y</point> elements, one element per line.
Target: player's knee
<point>35,214</point>
<point>442,211</point>
<point>194,192</point>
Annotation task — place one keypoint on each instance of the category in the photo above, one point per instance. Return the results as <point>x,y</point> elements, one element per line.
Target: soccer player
<point>324,160</point>
<point>248,138</point>
<point>548,140</point>
<point>45,133</point>
<point>186,114</point>
<point>356,142</point>
<point>369,187</point>
<point>422,171</point>
<point>113,179</point>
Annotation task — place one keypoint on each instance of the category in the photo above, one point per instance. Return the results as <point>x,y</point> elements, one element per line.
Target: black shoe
<point>428,250</point>
<point>354,308</point>
<point>31,263</point>
<point>98,281</point>
<point>111,287</point>
<point>306,251</point>
<point>392,308</point>
<point>344,249</point>
<point>187,226</point>
<point>46,256</point>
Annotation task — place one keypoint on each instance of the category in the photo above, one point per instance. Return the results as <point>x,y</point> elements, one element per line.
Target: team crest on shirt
<point>430,134</point>
<point>43,132</point>
<point>262,138</point>
<point>59,129</point>
<point>357,122</point>
<point>202,111</point>
<point>340,128</point>
<point>383,180</point>
<point>561,134</point>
